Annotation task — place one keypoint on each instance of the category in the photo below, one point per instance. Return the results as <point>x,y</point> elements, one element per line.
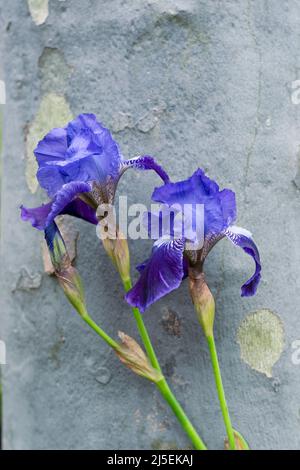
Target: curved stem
<point>180,414</point>
<point>162,384</point>
<point>220,390</point>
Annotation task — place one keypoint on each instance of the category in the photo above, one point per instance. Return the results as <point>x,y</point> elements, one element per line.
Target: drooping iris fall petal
<point>161,274</point>
<point>243,238</point>
<point>64,202</point>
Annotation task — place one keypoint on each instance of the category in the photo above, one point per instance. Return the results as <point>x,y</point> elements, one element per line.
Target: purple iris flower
<point>79,166</point>
<point>170,258</point>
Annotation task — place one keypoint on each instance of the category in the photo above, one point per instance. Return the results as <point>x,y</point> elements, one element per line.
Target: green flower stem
<point>111,342</point>
<point>164,389</point>
<point>162,385</point>
<point>143,331</point>
<point>220,390</point>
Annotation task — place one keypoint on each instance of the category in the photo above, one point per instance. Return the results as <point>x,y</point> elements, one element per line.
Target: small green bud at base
<point>203,301</point>
<point>117,250</point>
<point>131,354</point>
<point>240,442</point>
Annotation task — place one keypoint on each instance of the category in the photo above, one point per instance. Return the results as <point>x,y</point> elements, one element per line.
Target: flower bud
<point>66,274</point>
<point>203,301</point>
<point>132,355</point>
<point>71,283</point>
<point>240,442</point>
<point>117,250</point>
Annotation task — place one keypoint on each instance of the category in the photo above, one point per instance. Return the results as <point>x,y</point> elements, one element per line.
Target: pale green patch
<point>38,10</point>
<point>54,72</point>
<point>261,339</point>
<point>54,111</point>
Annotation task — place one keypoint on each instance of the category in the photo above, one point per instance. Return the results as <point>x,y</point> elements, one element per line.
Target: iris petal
<point>219,206</point>
<point>146,162</point>
<point>52,147</point>
<point>37,216</point>
<point>241,237</point>
<point>80,209</point>
<point>83,151</point>
<point>161,274</point>
<point>83,121</point>
<point>192,190</point>
<point>64,202</point>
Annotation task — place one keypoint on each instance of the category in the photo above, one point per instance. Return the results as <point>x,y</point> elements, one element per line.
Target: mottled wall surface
<point>195,83</point>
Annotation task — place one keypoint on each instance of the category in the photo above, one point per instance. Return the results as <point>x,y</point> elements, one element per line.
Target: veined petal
<point>146,162</point>
<point>64,202</point>
<point>161,274</point>
<point>243,238</point>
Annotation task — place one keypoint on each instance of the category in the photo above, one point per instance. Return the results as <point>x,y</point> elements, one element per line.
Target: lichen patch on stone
<point>54,111</point>
<point>39,11</point>
<point>54,72</point>
<point>261,340</point>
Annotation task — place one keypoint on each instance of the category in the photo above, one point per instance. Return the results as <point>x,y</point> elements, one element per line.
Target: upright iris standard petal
<point>189,191</point>
<point>83,121</point>
<point>82,151</point>
<point>52,148</point>
<point>219,206</point>
<point>64,202</point>
<point>146,162</point>
<point>241,237</point>
<point>161,274</point>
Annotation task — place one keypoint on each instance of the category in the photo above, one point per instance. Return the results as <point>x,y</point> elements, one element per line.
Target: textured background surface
<point>195,83</point>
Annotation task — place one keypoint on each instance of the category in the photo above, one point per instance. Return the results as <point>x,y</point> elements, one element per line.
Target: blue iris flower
<point>170,258</point>
<point>79,166</point>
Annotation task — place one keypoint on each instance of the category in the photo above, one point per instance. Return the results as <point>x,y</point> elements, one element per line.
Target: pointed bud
<point>203,301</point>
<point>117,250</point>
<point>66,274</point>
<point>132,355</point>
<point>240,442</point>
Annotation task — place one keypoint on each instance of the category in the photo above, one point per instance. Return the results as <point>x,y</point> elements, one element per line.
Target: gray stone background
<point>195,83</point>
